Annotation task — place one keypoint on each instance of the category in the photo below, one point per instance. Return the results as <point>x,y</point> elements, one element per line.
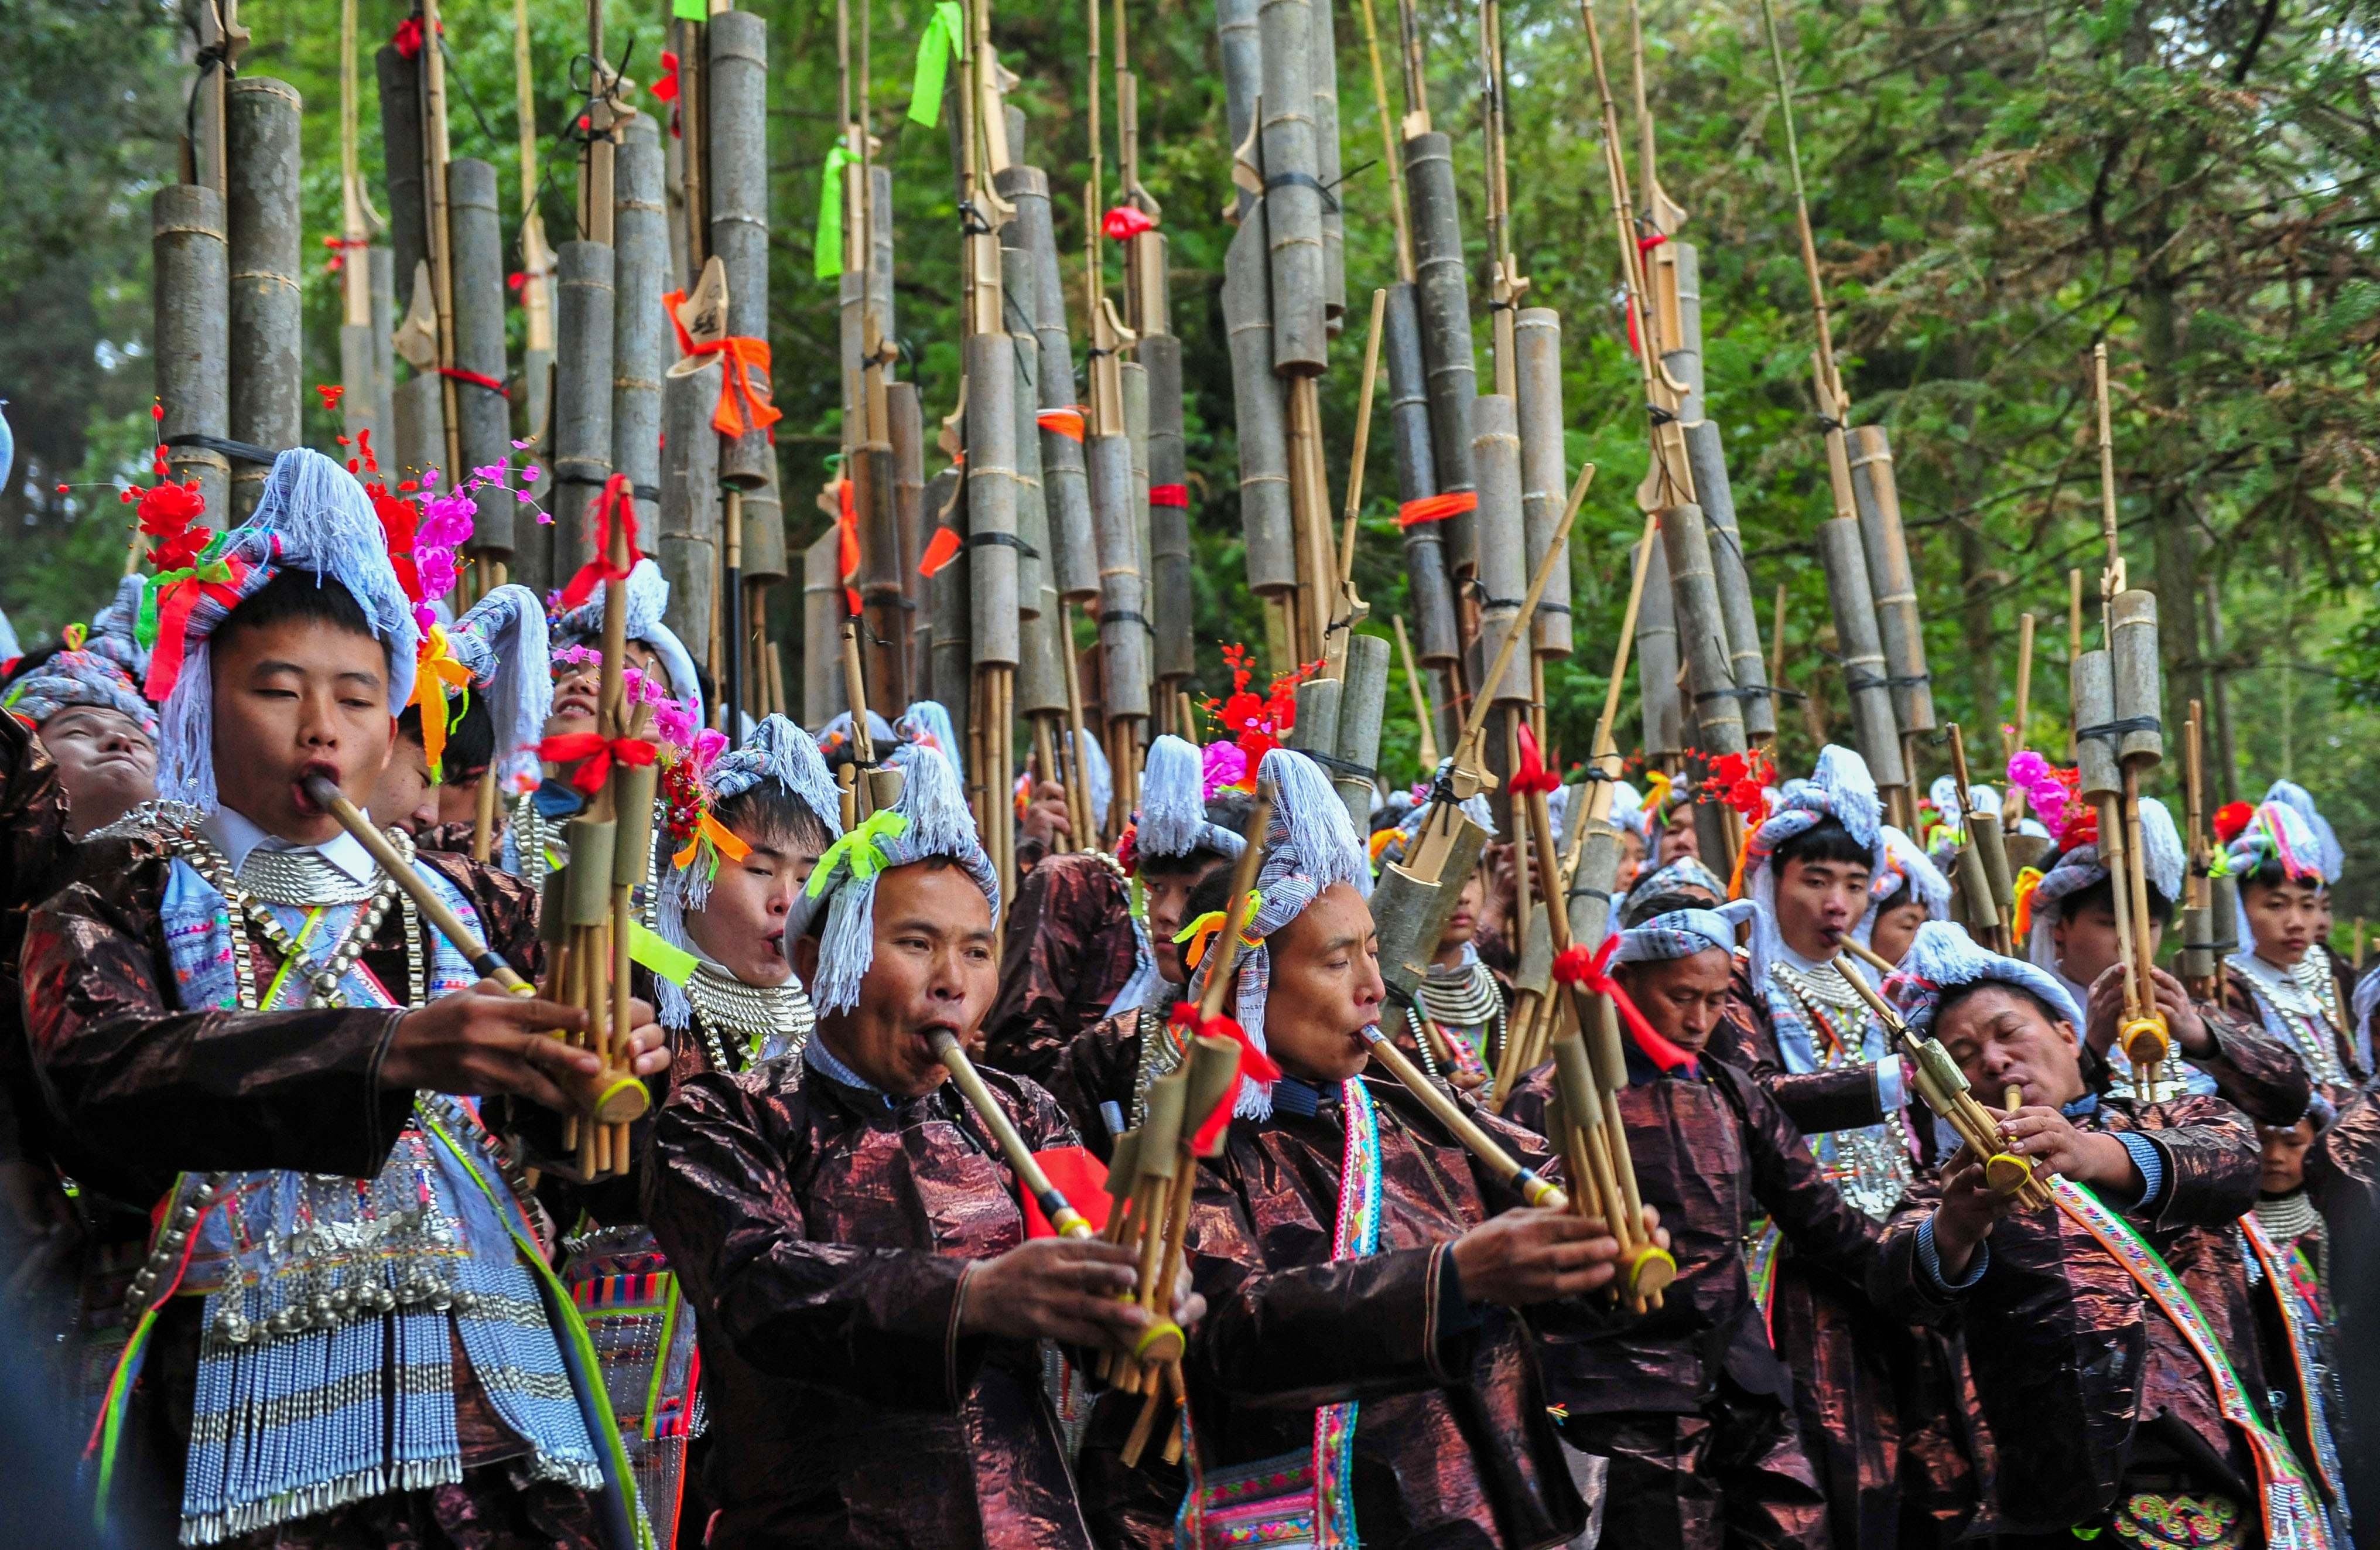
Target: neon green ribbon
<point>862,849</point>
<point>944,38</point>
<point>667,960</point>
<point>826,251</point>
<point>145,623</point>
<point>690,10</point>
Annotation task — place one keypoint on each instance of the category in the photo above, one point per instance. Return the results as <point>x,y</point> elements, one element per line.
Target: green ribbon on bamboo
<point>827,246</point>
<point>862,849</point>
<point>944,39</point>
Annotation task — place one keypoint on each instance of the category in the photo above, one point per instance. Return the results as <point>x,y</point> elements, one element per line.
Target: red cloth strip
<point>493,384</point>
<point>1169,494</point>
<point>940,550</point>
<point>594,755</point>
<point>1576,966</point>
<point>1067,422</point>
<point>1437,508</point>
<point>617,504</point>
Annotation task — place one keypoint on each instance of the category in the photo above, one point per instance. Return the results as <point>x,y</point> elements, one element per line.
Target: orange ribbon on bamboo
<point>743,404</point>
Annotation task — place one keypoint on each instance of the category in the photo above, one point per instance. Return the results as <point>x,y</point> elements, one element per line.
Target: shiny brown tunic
<point>826,1236</point>
<point>142,1091</point>
<point>1710,1154</point>
<point>2072,1365</point>
<point>2239,1002</point>
<point>1100,1065</point>
<point>1071,949</point>
<point>2253,1072</point>
<point>1453,1446</point>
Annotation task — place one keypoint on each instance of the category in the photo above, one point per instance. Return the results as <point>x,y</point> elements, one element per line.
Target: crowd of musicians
<point>297,1236</point>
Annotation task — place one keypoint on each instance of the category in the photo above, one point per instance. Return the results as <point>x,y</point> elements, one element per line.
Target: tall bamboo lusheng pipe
<point>193,345</point>
<point>1074,555</point>
<point>1842,547</point>
<point>689,545</point>
<point>484,410</point>
<point>581,448</point>
<point>1890,579</point>
<point>359,405</point>
<point>613,1095</point>
<point>1982,863</point>
<point>1545,470</point>
<point>1656,657</point>
<point>263,224</point>
<point>641,332</point>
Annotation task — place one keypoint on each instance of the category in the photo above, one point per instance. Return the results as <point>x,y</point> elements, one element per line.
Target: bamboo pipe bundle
<point>736,186</point>
<point>614,1094</point>
<point>1293,192</point>
<point>586,308</point>
<point>1873,725</point>
<point>1545,467</point>
<point>483,414</point>
<point>1657,659</point>
<point>1441,289</point>
<point>640,330</point>
<point>401,171</point>
<point>991,499</point>
<point>1890,579</point>
<point>1946,1089</point>
<point>1260,408</point>
<point>1718,715</point>
<point>1496,463</point>
<point>1323,60</point>
<point>1169,523</point>
<point>1432,600</point>
<point>2133,668</point>
<point>822,608</point>
<point>1074,553</point>
<point>1706,465</point>
<point>264,228</point>
<point>688,548</point>
<point>905,418</point>
<point>1363,700</point>
<point>1032,504</point>
<point>1240,49</point>
<point>193,344</point>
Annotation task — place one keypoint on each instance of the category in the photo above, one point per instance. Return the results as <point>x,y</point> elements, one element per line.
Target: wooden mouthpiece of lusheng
<point>1442,290</point>
<point>1504,553</point>
<point>2014,1096</point>
<point>737,155</point>
<point>1718,715</point>
<point>2093,677</point>
<point>580,454</point>
<point>265,255</point>
<point>1431,601</point>
<point>1545,467</point>
<point>2132,640</point>
<point>484,416</point>
<point>193,344</point>
<point>587,899</point>
<point>1260,408</point>
<point>1878,499</point>
<point>1363,700</point>
<point>1657,659</point>
<point>632,799</point>
<point>1877,730</point>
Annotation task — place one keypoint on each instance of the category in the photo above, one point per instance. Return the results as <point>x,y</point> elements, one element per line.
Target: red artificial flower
<point>1125,222</point>
<point>2231,820</point>
<point>666,87</point>
<point>398,520</point>
<point>331,394</point>
<point>1741,781</point>
<point>180,551</point>
<point>167,511</point>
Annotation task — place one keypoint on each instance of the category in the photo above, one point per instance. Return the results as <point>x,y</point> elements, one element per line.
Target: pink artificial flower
<point>424,617</point>
<point>1221,765</point>
<point>437,570</point>
<point>579,656</point>
<point>674,723</point>
<point>707,746</point>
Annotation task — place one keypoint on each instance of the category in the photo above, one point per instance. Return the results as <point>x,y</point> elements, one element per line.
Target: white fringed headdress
<point>502,639</point>
<point>1839,788</point>
<point>2298,800</point>
<point>649,595</point>
<point>105,670</point>
<point>1904,862</point>
<point>1683,933</point>
<point>778,752</point>
<point>1943,957</point>
<point>1309,844</point>
<point>312,515</point>
<point>930,819</point>
<point>1173,805</point>
<point>928,724</point>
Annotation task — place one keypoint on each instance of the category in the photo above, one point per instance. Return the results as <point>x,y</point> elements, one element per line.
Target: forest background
<point>1995,186</point>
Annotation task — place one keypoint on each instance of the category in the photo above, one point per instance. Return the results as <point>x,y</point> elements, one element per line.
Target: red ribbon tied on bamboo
<point>1590,970</point>
<point>617,504</point>
<point>1255,1064</point>
<point>595,753</point>
<point>743,404</point>
<point>1532,775</point>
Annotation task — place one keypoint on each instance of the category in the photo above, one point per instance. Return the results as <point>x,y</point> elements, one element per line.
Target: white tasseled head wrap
<point>2298,800</point>
<point>778,752</point>
<point>1172,806</point>
<point>104,671</point>
<point>930,819</point>
<point>927,723</point>
<point>1904,862</point>
<point>1840,788</point>
<point>1683,933</point>
<point>1309,844</point>
<point>649,595</point>
<point>312,515</point>
<point>2081,868</point>
<point>501,641</point>
<point>1943,957</point>
<point>1628,811</point>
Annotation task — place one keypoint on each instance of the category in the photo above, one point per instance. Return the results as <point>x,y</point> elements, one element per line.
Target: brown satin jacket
<point>1711,1153</point>
<point>825,1234</point>
<point>2253,1072</point>
<point>1453,1446</point>
<point>1071,949</point>
<point>2070,1359</point>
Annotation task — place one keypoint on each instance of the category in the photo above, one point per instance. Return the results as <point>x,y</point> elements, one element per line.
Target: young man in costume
<point>2113,1336</point>
<point>1364,1367</point>
<point>1809,1040</point>
<point>343,1331</point>
<point>744,833</point>
<point>1690,1404</point>
<point>2072,936</point>
<point>2283,979</point>
<point>868,1305</point>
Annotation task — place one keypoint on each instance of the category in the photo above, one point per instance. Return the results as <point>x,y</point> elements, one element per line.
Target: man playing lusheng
<point>868,1305</point>
<point>1690,1403</point>
<point>343,1333</point>
<point>2112,1337</point>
